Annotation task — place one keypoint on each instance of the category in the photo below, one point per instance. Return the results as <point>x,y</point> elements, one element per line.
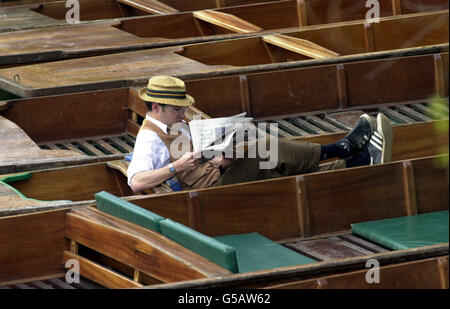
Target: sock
<point>359,159</point>
<point>340,149</point>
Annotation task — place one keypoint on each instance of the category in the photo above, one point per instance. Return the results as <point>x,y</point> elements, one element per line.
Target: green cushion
<point>201,244</point>
<point>16,177</point>
<point>256,252</point>
<point>125,210</point>
<point>406,232</point>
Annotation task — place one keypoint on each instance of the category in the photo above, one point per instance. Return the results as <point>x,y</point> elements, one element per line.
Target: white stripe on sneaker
<point>376,145</point>
<point>377,137</point>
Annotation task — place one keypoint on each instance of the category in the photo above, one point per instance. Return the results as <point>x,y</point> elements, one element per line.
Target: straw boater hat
<point>166,90</point>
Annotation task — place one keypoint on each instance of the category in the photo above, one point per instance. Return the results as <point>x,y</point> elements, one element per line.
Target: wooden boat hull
<point>160,31</point>
<point>102,125</point>
<point>20,15</point>
<point>301,216</point>
<point>218,58</point>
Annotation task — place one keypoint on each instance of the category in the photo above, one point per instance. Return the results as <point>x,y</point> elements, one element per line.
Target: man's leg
<point>297,157</point>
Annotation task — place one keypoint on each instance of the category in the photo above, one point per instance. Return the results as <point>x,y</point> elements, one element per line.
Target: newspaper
<point>217,134</point>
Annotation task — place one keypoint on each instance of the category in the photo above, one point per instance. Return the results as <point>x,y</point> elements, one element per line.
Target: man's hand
<point>188,161</point>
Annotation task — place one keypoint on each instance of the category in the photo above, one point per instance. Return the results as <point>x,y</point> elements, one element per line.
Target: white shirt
<point>149,152</point>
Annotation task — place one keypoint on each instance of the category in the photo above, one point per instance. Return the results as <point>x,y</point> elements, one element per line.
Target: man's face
<point>170,114</point>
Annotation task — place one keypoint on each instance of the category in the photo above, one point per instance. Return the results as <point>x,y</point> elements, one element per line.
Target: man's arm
<point>149,179</point>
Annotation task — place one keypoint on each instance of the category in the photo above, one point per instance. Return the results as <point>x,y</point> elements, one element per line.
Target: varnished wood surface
<point>77,183</point>
<point>39,14</point>
<point>302,203</point>
<point>421,274</point>
<point>319,272</point>
<point>140,248</point>
<point>34,249</point>
<point>123,68</point>
<point>226,21</point>
<point>80,183</point>
<point>300,46</point>
<point>16,145</point>
<point>150,6</point>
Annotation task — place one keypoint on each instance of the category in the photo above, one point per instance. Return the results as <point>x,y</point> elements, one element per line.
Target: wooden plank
<point>431,183</point>
<point>396,7</point>
<point>100,274</point>
<point>282,132</point>
<point>411,113</point>
<point>302,207</point>
<point>137,247</point>
<point>442,264</point>
<point>289,127</point>
<point>250,207</point>
<point>91,148</point>
<point>439,76</point>
<point>420,274</point>
<point>300,46</point>
<point>342,86</point>
<point>226,21</point>
<point>117,68</point>
<point>195,220</point>
<point>369,38</point>
<point>302,13</point>
<point>77,183</point>
<point>16,145</point>
<point>72,147</point>
<point>327,249</point>
<point>325,125</point>
<point>363,243</point>
<point>107,146</point>
<point>409,188</point>
<point>61,284</point>
<point>32,279</point>
<point>354,195</point>
<point>428,111</point>
<point>150,6</point>
<point>42,285</point>
<point>33,250</point>
<point>245,95</point>
<point>52,146</point>
<point>393,115</point>
<point>121,143</point>
<point>305,124</point>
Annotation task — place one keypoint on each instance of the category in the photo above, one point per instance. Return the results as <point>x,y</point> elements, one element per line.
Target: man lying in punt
<point>157,158</point>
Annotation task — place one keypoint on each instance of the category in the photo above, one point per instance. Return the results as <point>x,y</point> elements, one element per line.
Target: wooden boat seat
<point>16,145</point>
<point>256,252</point>
<point>237,253</point>
<point>150,6</point>
<point>11,197</point>
<point>300,46</point>
<point>118,207</point>
<point>406,232</point>
<point>227,21</point>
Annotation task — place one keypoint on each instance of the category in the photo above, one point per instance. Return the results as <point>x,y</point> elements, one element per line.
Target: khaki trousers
<point>294,157</point>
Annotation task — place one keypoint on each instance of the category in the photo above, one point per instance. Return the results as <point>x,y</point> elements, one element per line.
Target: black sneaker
<point>357,139</point>
<point>380,145</point>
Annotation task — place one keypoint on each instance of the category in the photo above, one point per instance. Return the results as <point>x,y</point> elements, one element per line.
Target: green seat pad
<point>406,232</point>
<point>201,244</point>
<point>16,177</point>
<point>125,210</point>
<point>256,252</point>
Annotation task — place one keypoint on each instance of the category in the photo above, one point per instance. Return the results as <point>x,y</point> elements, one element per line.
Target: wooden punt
<point>292,211</point>
<point>19,15</point>
<point>73,186</point>
<point>352,41</point>
<point>102,125</point>
<point>160,31</point>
